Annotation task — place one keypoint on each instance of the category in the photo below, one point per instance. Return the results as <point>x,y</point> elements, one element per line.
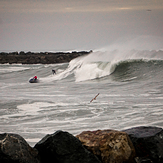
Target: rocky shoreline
<point>39,58</point>
<point>143,144</point>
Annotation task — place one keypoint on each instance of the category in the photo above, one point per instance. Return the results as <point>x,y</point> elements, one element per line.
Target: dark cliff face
<point>42,57</point>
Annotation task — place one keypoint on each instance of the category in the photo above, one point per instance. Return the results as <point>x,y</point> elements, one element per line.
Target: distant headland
<point>39,57</point>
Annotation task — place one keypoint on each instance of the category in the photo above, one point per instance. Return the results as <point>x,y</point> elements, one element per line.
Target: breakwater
<point>40,57</point>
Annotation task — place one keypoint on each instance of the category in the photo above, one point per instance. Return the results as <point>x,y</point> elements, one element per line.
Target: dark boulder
<point>62,147</point>
<point>148,143</point>
<point>13,148</point>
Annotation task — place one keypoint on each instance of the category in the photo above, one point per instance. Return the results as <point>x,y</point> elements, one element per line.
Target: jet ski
<point>34,80</point>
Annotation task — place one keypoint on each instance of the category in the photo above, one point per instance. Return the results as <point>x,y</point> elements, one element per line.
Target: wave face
<point>114,64</point>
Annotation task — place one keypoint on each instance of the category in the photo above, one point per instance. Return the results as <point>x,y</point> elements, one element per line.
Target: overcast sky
<point>56,25</point>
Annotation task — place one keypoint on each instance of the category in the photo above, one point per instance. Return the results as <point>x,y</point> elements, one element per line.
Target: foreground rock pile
<point>42,57</point>
<point>135,145</point>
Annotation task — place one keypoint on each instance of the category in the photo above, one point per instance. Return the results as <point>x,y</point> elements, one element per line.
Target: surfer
<point>53,71</point>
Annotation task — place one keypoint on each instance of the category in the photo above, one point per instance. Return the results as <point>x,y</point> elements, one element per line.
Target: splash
<point>102,62</point>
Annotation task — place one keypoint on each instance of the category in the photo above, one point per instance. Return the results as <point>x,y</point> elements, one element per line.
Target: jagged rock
<point>110,146</point>
<point>148,143</point>
<point>62,147</point>
<point>13,148</point>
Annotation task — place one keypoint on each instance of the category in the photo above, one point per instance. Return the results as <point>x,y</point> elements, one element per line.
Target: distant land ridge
<point>39,57</point>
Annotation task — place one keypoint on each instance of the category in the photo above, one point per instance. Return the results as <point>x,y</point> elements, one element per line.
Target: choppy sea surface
<point>129,83</point>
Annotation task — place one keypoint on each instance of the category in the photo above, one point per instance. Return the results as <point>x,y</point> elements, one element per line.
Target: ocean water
<point>129,83</point>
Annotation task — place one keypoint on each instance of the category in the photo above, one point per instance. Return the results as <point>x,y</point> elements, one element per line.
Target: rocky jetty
<point>42,57</point>
<point>136,145</point>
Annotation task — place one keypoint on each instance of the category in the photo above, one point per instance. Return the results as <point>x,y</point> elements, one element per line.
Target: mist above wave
<point>140,42</point>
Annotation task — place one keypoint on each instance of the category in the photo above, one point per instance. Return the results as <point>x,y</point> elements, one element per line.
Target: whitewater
<point>129,83</point>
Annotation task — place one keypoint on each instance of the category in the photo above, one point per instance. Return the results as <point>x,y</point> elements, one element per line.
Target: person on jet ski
<point>35,77</point>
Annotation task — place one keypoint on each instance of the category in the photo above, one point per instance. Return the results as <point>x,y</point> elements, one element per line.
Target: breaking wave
<point>115,63</point>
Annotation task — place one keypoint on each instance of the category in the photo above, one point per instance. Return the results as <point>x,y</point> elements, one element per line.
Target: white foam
<point>34,108</point>
<point>12,69</point>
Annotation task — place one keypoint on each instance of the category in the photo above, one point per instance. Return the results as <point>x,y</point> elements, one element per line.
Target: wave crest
<point>117,64</point>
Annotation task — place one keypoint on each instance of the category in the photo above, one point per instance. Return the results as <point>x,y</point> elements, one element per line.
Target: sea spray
<point>100,64</point>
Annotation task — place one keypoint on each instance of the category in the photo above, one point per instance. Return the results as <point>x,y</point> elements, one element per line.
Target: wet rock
<point>13,148</point>
<point>62,147</point>
<point>109,146</point>
<point>148,143</point>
